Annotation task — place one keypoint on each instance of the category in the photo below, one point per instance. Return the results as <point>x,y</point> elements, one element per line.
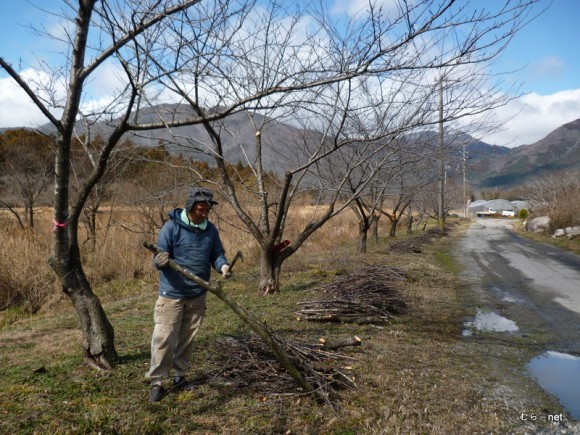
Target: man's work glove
<point>226,271</point>
<point>161,259</point>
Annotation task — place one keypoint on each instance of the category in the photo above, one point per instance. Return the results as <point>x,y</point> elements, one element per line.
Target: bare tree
<point>414,174</point>
<point>157,181</point>
<point>120,33</point>
<point>547,189</point>
<point>391,183</point>
<point>270,68</point>
<point>84,152</point>
<point>220,58</point>
<point>24,158</point>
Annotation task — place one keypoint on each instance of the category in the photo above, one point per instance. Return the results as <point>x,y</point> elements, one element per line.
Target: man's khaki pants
<point>177,322</point>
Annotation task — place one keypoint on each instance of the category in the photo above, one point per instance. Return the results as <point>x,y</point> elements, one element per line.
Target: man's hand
<point>226,271</point>
<point>162,259</point>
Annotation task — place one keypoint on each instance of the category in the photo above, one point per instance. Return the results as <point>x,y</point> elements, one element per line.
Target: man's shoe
<point>181,382</point>
<point>157,393</point>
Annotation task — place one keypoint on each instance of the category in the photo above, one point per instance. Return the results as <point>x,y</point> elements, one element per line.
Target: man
<point>189,239</point>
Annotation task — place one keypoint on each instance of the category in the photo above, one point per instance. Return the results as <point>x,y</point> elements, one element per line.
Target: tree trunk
<point>362,241</point>
<point>410,225</point>
<point>375,229</point>
<point>30,210</point>
<point>269,272</point>
<point>98,333</point>
<point>363,228</point>
<point>91,219</point>
<point>393,230</point>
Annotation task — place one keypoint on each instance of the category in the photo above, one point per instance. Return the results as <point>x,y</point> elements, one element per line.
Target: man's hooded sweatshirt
<point>195,249</point>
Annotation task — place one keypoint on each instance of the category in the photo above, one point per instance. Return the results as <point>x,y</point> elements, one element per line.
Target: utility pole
<point>441,195</point>
<point>464,160</point>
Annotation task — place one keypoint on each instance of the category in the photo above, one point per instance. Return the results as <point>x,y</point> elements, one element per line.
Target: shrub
<point>562,218</point>
<point>523,214</point>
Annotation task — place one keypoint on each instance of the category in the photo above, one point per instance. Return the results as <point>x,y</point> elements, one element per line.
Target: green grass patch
<point>12,315</point>
<point>447,261</point>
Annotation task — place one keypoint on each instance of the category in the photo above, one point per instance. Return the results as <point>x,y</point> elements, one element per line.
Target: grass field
<point>416,374</point>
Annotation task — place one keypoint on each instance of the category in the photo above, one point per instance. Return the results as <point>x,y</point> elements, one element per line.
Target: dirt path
<point>532,288</point>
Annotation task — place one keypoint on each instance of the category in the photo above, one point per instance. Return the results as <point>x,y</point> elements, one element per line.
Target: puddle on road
<point>559,374</point>
<point>506,296</point>
<point>512,300</point>
<point>489,321</point>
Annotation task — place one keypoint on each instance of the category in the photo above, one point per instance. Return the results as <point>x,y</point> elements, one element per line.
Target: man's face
<point>199,212</point>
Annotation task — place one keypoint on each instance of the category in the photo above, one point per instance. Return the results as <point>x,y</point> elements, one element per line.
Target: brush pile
<point>365,296</point>
<point>415,244</point>
<point>246,363</point>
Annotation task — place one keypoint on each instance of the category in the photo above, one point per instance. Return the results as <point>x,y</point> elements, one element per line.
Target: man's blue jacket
<point>194,249</point>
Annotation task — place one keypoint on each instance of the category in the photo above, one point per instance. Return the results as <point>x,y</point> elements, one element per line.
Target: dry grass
<point>25,277</point>
<point>119,262</point>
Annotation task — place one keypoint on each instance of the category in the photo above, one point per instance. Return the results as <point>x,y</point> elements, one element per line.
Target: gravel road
<point>536,287</point>
<point>533,284</point>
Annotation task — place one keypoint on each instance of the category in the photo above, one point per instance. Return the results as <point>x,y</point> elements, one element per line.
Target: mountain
<point>504,168</point>
<point>488,166</point>
<point>237,133</point>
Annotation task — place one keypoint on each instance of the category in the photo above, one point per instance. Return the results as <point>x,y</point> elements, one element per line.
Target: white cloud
<point>360,7</point>
<point>16,107</point>
<point>102,88</point>
<point>108,79</point>
<point>18,110</point>
<point>534,116</point>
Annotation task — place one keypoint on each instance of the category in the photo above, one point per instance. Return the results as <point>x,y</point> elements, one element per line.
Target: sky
<point>543,57</point>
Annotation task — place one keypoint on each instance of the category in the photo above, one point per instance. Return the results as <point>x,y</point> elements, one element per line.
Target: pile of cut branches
<point>365,296</point>
<point>415,244</point>
<point>246,362</point>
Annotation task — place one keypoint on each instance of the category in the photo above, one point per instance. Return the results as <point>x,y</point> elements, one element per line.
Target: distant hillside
<point>557,151</point>
<point>236,131</point>
<point>492,166</point>
<point>488,166</point>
